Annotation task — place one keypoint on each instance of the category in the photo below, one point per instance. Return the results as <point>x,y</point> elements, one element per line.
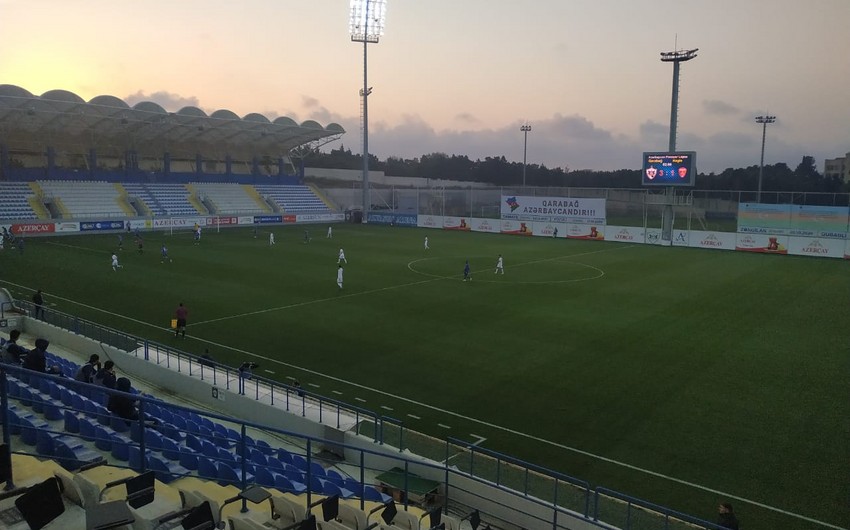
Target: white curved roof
<point>67,120</point>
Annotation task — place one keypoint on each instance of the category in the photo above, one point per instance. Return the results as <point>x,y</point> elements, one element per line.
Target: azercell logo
<point>711,241</point>
<point>624,235</point>
<point>511,201</point>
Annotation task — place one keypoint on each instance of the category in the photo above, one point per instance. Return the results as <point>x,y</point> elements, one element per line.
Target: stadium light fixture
<point>525,129</point>
<point>366,25</point>
<point>676,57</point>
<point>764,120</point>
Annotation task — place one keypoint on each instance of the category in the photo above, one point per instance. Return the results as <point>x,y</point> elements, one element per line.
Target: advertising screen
<point>669,169</point>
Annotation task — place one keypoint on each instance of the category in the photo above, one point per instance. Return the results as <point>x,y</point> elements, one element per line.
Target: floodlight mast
<point>366,25</point>
<point>676,57</point>
<point>764,120</point>
<point>525,130</point>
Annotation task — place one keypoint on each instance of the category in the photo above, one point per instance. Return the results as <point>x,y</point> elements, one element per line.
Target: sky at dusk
<point>462,76</point>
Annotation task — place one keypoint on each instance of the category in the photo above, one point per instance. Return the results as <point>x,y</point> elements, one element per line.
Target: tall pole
<point>366,25</point>
<point>764,120</point>
<point>676,57</point>
<point>525,128</point>
<point>366,199</point>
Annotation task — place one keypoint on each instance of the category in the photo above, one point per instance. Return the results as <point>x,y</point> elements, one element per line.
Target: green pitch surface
<point>680,376</point>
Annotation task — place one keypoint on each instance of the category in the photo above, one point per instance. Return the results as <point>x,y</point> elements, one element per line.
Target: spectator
<point>36,359</point>
<point>12,352</point>
<point>106,375</point>
<point>726,516</point>
<point>206,359</point>
<point>86,372</point>
<point>38,300</point>
<point>123,406</point>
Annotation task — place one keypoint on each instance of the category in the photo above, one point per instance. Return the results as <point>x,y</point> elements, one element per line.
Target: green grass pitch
<point>723,370</point>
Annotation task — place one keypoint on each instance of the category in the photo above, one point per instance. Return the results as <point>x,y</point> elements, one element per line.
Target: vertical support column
<point>228,166</point>
<point>51,161</point>
<point>674,107</point>
<point>255,166</point>
<point>166,163</point>
<point>199,164</point>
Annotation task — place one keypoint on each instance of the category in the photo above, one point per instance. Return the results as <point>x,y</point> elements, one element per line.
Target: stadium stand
<point>293,199</point>
<point>163,199</point>
<point>83,198</point>
<point>14,201</point>
<point>230,198</point>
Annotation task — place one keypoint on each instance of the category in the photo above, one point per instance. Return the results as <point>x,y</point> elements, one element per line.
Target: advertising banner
<point>380,218</point>
<point>546,229</point>
<point>138,224</point>
<point>713,240</point>
<point>178,222</point>
<point>268,219</point>
<point>33,228</point>
<point>847,250</point>
<point>430,221</point>
<point>817,247</point>
<point>680,238</point>
<point>653,237</point>
<point>517,228</point>
<point>246,220</point>
<point>770,244</point>
<point>318,217</point>
<point>455,223</point>
<point>290,218</point>
<point>406,219</point>
<point>491,226</point>
<point>555,209</point>
<point>67,227</point>
<point>221,221</point>
<point>773,219</point>
<point>101,225</point>
<point>819,221</point>
<point>625,234</point>
<point>582,231</point>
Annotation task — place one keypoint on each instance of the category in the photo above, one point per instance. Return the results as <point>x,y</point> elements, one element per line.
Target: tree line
<point>499,171</point>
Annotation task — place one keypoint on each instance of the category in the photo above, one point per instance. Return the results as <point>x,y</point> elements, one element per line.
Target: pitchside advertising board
<point>793,220</point>
<point>669,169</point>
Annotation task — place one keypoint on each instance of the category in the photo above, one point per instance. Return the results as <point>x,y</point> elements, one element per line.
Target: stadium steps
<point>193,199</point>
<point>38,207</point>
<point>123,200</point>
<point>318,193</point>
<point>252,192</point>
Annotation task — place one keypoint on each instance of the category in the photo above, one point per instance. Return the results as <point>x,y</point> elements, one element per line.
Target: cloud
<point>467,118</point>
<point>719,108</point>
<point>167,100</point>
<point>653,129</point>
<point>309,102</point>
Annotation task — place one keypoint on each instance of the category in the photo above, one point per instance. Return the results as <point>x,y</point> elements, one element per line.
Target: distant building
<point>838,167</point>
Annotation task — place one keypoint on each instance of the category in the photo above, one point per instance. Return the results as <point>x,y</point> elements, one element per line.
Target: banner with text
<point>491,226</point>
<point>793,220</point>
<point>554,209</point>
<point>101,225</point>
<point>548,229</point>
<point>516,228</point>
<point>712,240</point>
<point>67,227</point>
<point>455,223</point>
<point>32,228</point>
<point>430,221</point>
<point>680,238</point>
<point>769,244</point>
<point>816,247</point>
<point>583,231</point>
<point>626,234</point>
<point>324,217</point>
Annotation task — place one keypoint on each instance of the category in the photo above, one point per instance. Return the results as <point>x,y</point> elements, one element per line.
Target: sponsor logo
<point>289,218</point>
<point>681,238</point>
<point>815,247</point>
<point>624,235</point>
<point>653,237</point>
<point>835,235</point>
<point>511,202</point>
<point>711,241</point>
<point>747,241</point>
<point>33,228</point>
<point>429,221</point>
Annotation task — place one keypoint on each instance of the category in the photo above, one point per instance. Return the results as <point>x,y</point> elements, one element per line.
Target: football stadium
<point>200,331</point>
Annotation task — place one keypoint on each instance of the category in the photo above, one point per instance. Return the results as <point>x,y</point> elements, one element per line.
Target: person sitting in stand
<point>106,375</point>
<point>123,406</point>
<point>13,352</point>
<point>36,359</point>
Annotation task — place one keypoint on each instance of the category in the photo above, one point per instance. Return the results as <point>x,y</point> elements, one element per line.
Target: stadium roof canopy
<point>64,120</point>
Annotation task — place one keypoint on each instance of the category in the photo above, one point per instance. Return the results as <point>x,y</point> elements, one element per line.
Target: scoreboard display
<point>669,169</point>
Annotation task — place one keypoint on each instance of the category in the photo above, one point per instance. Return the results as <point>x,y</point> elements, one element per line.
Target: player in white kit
<point>339,276</point>
<point>341,257</point>
<point>500,266</point>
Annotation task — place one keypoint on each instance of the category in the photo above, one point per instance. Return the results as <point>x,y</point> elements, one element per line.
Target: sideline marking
<point>480,439</point>
<point>386,407</point>
<point>461,416</point>
<point>268,371</point>
<point>314,385</point>
<point>414,417</point>
<point>337,392</point>
<point>443,426</point>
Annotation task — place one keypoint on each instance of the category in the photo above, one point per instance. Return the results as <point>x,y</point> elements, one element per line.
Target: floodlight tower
<point>764,120</point>
<point>366,24</point>
<point>525,130</point>
<point>676,57</point>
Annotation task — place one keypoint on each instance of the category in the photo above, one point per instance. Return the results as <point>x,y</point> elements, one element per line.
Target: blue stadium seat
<point>170,449</point>
<point>72,422</point>
<point>228,475</point>
<point>72,458</point>
<point>102,438</point>
<point>189,460</point>
<point>87,429</point>
<point>207,468</point>
<point>372,494</point>
<point>284,484</point>
<point>120,448</point>
<point>330,489</point>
